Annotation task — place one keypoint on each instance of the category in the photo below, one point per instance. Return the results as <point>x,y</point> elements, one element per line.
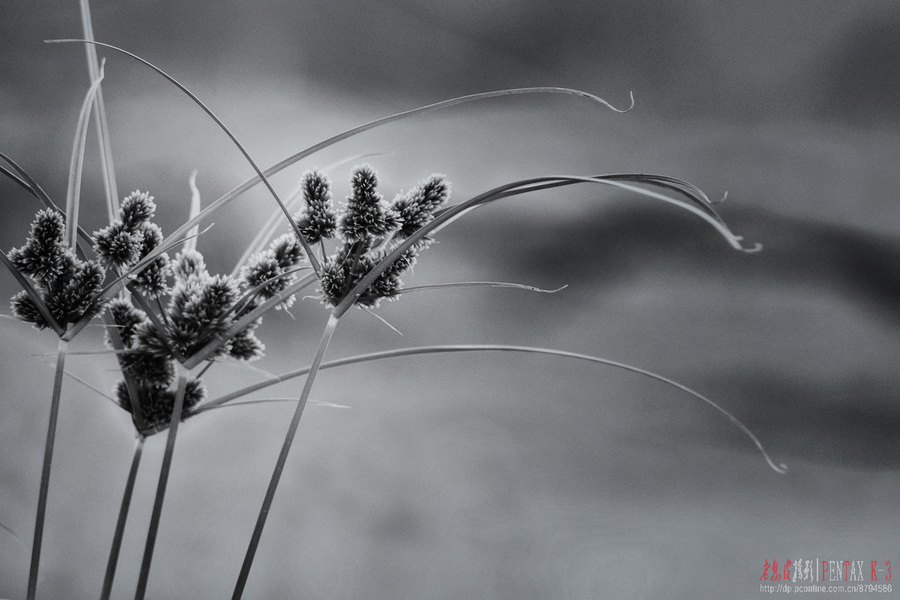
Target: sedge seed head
<point>24,309</point>
<point>136,209</point>
<point>318,220</point>
<point>367,215</point>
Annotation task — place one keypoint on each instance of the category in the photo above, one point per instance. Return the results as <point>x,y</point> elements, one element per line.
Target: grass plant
<point>168,320</point>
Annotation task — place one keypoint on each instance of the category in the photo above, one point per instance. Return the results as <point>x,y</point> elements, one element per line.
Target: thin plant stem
<point>282,459</point>
<point>161,486</point>
<point>123,518</point>
<point>45,471</point>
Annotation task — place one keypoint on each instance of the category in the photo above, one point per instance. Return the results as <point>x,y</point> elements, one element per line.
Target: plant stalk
<point>123,518</point>
<point>161,486</point>
<point>45,471</point>
<point>282,458</point>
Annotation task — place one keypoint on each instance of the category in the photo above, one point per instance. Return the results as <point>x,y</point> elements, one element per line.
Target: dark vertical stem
<point>161,487</point>
<point>282,458</point>
<point>45,471</point>
<point>123,518</point>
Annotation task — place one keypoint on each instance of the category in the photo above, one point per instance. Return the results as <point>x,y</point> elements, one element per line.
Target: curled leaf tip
<point>605,103</point>
<point>751,249</point>
<point>720,200</point>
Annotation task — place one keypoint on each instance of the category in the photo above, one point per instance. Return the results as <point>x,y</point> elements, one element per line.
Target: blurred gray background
<point>493,476</point>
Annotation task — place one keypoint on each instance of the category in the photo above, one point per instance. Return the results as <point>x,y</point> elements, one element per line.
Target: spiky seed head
<point>24,309</point>
<point>118,245</point>
<point>333,278</point>
<point>48,228</point>
<point>153,279</point>
<point>42,254</point>
<point>137,208</point>
<point>189,264</point>
<point>246,346</point>
<point>287,250</point>
<point>158,402</point>
<point>318,220</point>
<point>416,207</point>
<point>74,295</point>
<point>367,215</point>
<point>262,267</point>
<point>126,319</point>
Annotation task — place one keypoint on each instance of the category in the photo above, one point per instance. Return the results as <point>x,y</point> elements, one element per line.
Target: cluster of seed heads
<point>195,309</point>
<point>66,284</point>
<point>369,228</point>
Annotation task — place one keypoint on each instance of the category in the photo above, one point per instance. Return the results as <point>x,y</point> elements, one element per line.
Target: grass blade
<point>40,517</point>
<point>194,233</point>
<point>122,519</point>
<point>73,195</point>
<point>282,459</point>
<point>32,185</point>
<point>423,350</point>
<point>485,284</point>
<point>697,205</point>
<point>107,169</point>
<point>224,128</point>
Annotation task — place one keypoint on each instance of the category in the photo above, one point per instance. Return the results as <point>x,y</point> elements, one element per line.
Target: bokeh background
<point>494,476</point>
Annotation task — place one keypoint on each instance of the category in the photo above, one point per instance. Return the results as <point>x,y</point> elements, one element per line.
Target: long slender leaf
<point>32,184</point>
<point>423,350</point>
<point>694,204</point>
<point>73,195</point>
<point>223,127</point>
<point>191,243</point>
<point>484,284</point>
<point>107,169</point>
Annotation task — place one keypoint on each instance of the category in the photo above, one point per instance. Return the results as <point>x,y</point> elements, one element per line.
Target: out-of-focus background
<point>493,476</point>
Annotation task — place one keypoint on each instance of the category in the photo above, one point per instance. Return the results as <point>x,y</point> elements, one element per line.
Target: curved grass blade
<point>223,127</point>
<point>483,284</point>
<point>32,185</point>
<point>422,350</point>
<point>107,169</point>
<point>193,234</point>
<point>279,401</point>
<point>73,194</point>
<point>695,204</point>
<point>262,176</point>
